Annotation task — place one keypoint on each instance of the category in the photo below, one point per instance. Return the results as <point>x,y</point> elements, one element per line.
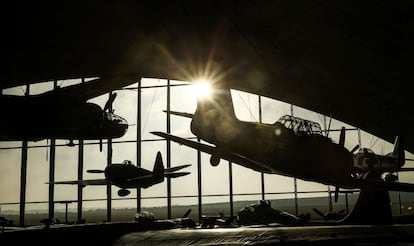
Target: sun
<point>201,89</point>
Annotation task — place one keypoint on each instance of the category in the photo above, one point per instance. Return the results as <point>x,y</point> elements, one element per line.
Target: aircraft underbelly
<point>302,160</point>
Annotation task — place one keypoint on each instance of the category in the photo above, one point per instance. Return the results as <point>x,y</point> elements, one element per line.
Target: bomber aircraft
<point>63,113</point>
<point>126,175</point>
<point>291,146</point>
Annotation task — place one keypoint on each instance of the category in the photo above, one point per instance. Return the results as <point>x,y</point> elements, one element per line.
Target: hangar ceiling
<point>349,59</point>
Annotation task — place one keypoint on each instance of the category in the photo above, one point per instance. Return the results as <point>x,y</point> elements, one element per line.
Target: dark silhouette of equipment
<point>330,215</point>
<point>262,213</point>
<point>147,221</point>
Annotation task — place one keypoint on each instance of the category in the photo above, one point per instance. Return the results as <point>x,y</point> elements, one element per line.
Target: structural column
<point>52,178</point>
<point>23,177</point>
<point>80,177</point>
<point>139,138</point>
<point>295,182</point>
<point>261,174</point>
<point>200,203</point>
<point>52,160</point>
<point>109,187</point>
<point>168,148</point>
<point>23,174</point>
<point>231,188</point>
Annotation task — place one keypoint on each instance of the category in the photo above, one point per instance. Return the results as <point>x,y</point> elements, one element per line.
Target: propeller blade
<point>187,213</point>
<point>355,148</point>
<point>110,101</point>
<point>95,171</point>
<point>336,193</point>
<point>318,212</point>
<point>342,137</point>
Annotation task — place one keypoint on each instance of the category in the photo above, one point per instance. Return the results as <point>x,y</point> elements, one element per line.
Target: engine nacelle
<point>390,177</point>
<point>123,192</point>
<point>214,160</point>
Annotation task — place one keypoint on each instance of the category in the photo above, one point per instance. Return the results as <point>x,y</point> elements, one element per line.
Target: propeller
<point>354,148</point>
<point>342,137</point>
<point>95,171</point>
<point>108,105</point>
<point>110,101</point>
<point>336,193</point>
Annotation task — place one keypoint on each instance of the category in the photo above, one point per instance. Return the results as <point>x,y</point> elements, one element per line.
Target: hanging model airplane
<point>291,146</point>
<point>127,176</point>
<point>63,113</point>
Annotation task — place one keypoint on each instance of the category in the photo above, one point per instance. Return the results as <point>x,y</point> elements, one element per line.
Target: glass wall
<point>217,183</point>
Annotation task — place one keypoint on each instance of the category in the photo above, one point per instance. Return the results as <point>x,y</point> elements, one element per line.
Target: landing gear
<point>71,143</point>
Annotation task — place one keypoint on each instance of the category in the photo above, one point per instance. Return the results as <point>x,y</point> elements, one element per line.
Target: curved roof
<point>352,60</point>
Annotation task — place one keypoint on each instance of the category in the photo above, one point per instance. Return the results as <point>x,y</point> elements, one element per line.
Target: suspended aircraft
<point>64,113</point>
<point>366,161</point>
<point>126,175</point>
<point>292,146</point>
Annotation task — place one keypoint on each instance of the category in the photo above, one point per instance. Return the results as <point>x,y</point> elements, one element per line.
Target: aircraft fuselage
<point>34,118</point>
<point>279,150</point>
<point>122,175</point>
<point>291,147</point>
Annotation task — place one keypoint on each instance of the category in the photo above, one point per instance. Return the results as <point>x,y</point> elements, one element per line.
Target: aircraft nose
<point>118,125</point>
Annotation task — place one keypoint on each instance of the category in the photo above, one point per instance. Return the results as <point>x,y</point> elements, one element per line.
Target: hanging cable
<point>152,102</point>
<point>372,145</point>
<point>251,114</point>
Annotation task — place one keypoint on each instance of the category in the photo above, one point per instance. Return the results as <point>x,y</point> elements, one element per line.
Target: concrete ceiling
<point>349,59</point>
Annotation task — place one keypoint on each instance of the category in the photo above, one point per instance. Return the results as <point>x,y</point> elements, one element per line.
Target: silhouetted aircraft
<point>263,213</point>
<point>292,146</point>
<point>366,161</point>
<point>127,175</point>
<point>331,215</point>
<point>63,113</point>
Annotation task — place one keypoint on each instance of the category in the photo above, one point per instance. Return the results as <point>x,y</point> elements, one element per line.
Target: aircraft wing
<point>93,88</point>
<point>406,169</point>
<point>397,186</point>
<point>182,114</point>
<point>141,177</point>
<point>82,182</point>
<point>381,184</point>
<point>233,157</point>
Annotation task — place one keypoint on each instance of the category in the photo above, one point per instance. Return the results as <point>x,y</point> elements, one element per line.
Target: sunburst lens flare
<point>201,89</point>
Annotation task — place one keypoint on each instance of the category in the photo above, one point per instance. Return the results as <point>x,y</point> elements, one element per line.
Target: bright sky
<point>214,180</point>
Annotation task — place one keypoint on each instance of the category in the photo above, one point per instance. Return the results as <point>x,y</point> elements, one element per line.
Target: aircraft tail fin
<point>214,114</point>
<point>158,170</point>
<point>219,103</point>
<point>398,151</point>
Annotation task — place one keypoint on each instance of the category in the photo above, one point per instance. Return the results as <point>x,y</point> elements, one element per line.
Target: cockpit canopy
<point>300,126</point>
<point>127,162</point>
